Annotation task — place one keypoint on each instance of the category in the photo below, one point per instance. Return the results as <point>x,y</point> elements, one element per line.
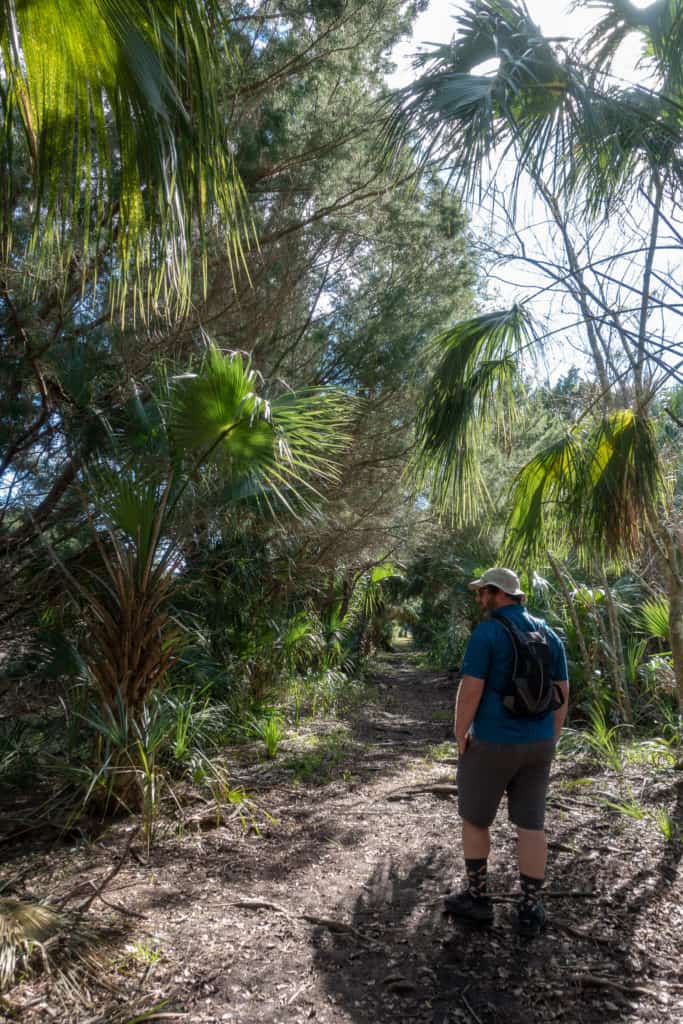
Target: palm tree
<point>153,478</point>
<point>114,149</point>
<point>591,147</point>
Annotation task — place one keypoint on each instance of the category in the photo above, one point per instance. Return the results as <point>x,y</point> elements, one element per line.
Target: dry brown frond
<point>36,938</point>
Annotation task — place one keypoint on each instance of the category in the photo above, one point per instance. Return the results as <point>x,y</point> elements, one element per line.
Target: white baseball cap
<point>505,579</point>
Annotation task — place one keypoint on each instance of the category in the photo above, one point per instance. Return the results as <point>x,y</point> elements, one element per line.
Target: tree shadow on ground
<point>403,960</point>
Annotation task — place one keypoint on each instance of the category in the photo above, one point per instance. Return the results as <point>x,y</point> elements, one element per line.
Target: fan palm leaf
<point>471,390</point>
<point>117,106</point>
<point>281,445</point>
<point>595,493</point>
<point>660,24</point>
<point>655,617</point>
<point>535,521</point>
<point>556,115</point>
<point>620,483</point>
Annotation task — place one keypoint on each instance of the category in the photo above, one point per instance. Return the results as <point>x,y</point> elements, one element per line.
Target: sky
<point>554,17</point>
<point>512,280</point>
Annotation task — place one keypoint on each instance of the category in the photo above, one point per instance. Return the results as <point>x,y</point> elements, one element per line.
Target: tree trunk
<point>586,659</point>
<point>616,654</point>
<point>671,549</point>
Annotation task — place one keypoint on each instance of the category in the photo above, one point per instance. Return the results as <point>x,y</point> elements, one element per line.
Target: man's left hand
<point>463,743</point>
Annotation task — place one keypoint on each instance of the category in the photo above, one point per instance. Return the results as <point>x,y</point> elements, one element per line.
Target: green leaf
<point>119,103</point>
<point>655,617</point>
<point>595,492</point>
<point>471,392</point>
<point>282,447</point>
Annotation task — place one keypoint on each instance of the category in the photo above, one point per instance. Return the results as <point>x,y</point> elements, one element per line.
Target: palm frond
<point>632,131</point>
<point>620,483</point>
<point>35,938</point>
<point>659,24</point>
<point>594,492</point>
<point>555,110</point>
<point>538,516</point>
<point>127,501</point>
<point>456,116</point>
<point>470,391</point>
<point>606,35</point>
<point>280,446</point>
<point>655,617</point>
<point>118,106</point>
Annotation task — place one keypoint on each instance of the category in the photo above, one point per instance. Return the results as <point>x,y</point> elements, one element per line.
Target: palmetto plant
<point>112,129</point>
<point>214,419</point>
<point>596,489</point>
<point>654,616</point>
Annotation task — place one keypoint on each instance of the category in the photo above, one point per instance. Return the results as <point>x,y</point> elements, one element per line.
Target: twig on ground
<point>262,905</point>
<point>122,910</point>
<point>405,793</point>
<point>554,845</point>
<point>580,934</point>
<point>569,802</point>
<point>295,995</point>
<point>85,906</point>
<point>509,897</point>
<point>640,990</point>
<point>165,1016</point>
<point>325,922</point>
<point>333,925</point>
<point>468,1006</point>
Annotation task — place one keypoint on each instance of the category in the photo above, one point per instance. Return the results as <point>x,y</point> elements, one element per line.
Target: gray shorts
<point>487,770</point>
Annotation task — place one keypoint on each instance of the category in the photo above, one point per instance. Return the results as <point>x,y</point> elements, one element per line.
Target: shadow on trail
<point>403,960</point>
<point>411,963</point>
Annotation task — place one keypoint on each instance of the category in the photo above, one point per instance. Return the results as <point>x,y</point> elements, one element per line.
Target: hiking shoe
<point>466,907</point>
<point>531,920</point>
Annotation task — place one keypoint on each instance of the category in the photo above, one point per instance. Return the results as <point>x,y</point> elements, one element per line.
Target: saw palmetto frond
<point>115,108</point>
<point>594,492</point>
<point>471,392</point>
<point>286,446</point>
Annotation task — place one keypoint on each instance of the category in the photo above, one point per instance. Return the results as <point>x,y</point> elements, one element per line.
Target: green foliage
<point>145,952</point>
<point>630,807</point>
<point>602,739</point>
<point>665,823</point>
<point>633,659</point>
<point>272,733</point>
<point>281,444</point>
<point>324,693</point>
<point>656,753</point>
<point>324,762</point>
<point>217,412</point>
<point>470,393</point>
<point>544,103</point>
<point>440,563</point>
<point>655,617</point>
<point>595,492</point>
<point>440,752</point>
<point>132,92</point>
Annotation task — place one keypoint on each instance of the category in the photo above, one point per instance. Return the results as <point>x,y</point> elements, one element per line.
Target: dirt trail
<point>331,911</point>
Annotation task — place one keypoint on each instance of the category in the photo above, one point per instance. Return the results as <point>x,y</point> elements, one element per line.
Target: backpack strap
<point>511,631</point>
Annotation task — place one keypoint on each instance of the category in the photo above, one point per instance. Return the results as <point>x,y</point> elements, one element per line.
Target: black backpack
<point>530,692</point>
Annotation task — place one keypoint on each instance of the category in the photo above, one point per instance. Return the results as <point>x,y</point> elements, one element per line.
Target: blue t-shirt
<point>489,656</point>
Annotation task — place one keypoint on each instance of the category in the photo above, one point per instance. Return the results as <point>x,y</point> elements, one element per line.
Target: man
<point>501,753</point>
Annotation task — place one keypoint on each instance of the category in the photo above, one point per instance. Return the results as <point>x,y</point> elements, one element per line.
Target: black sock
<point>476,876</point>
<point>531,891</point>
